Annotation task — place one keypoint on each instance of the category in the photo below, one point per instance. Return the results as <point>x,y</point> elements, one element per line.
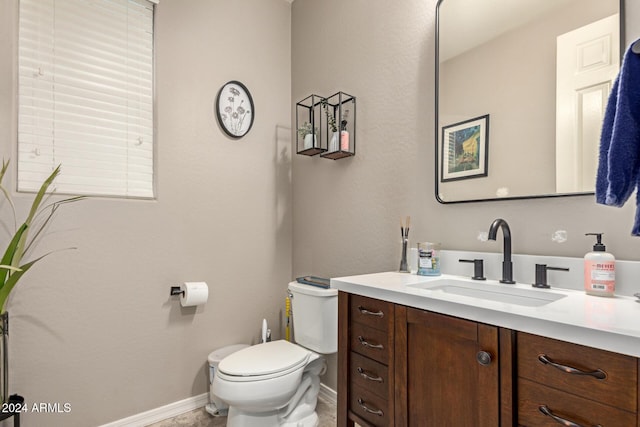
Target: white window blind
<point>86,96</point>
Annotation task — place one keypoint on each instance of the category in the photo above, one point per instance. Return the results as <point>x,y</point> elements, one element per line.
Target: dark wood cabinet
<point>407,367</point>
<point>401,366</point>
<point>452,370</point>
<point>366,358</point>
<point>560,382</point>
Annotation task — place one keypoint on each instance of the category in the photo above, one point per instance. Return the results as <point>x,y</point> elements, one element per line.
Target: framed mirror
<point>521,90</point>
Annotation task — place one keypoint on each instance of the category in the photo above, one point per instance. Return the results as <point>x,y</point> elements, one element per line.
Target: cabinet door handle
<point>377,412</point>
<point>598,373</point>
<point>366,344</point>
<point>363,310</point>
<point>366,375</point>
<point>565,422</point>
<point>483,358</point>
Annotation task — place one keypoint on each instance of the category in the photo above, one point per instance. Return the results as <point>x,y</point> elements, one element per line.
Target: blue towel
<point>619,164</point>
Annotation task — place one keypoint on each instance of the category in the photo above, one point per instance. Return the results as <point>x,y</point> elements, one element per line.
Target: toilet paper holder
<point>175,290</point>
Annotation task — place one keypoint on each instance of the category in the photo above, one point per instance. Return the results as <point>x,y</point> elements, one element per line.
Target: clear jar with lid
<point>428,259</point>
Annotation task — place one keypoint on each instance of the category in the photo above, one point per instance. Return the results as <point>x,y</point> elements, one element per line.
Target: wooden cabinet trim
<point>489,377</point>
<point>343,360</point>
<point>454,327</point>
<point>508,392</point>
<point>400,366</point>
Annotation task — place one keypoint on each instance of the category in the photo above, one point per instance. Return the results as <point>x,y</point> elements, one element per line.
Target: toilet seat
<point>263,361</point>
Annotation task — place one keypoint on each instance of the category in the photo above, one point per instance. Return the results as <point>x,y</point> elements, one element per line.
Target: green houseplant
<point>12,265</point>
<point>331,121</point>
<point>306,129</point>
<point>308,134</point>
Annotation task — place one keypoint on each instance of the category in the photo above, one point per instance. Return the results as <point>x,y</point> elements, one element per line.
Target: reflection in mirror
<point>540,71</point>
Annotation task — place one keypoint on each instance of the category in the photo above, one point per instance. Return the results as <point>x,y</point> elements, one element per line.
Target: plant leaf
<point>8,197</point>
<point>9,254</point>
<point>13,279</point>
<point>41,193</point>
<point>19,253</point>
<point>52,209</point>
<point>10,269</point>
<point>5,166</point>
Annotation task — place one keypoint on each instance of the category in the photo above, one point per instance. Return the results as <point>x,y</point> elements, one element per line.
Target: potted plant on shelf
<point>308,134</point>
<point>331,121</point>
<point>12,265</point>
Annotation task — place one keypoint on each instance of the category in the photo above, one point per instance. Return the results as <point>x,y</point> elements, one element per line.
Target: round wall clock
<point>234,108</point>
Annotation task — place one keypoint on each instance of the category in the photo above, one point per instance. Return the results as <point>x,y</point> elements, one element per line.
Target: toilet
<point>277,383</point>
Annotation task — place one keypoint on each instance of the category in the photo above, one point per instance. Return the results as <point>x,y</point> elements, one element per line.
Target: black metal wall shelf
<point>326,126</point>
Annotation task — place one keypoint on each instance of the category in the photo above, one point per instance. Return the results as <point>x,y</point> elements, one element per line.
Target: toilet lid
<point>264,359</point>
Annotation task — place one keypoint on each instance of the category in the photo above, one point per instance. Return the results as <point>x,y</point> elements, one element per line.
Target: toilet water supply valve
<point>266,332</point>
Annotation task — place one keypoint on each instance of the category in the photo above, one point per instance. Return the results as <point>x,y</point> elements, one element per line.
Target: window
<point>85,96</point>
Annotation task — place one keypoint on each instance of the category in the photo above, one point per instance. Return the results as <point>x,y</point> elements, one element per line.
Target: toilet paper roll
<point>195,293</point>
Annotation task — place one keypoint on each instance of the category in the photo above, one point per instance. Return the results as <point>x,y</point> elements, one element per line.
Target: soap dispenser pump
<point>599,270</point>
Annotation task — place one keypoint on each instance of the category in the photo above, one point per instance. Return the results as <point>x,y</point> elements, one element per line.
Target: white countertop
<point>606,323</point>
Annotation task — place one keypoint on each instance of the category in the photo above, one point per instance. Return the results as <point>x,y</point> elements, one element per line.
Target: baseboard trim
<point>328,394</point>
<point>192,403</point>
<point>162,413</point>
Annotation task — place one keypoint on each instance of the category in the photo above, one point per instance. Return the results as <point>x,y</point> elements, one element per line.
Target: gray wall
<point>95,327</point>
<point>347,212</point>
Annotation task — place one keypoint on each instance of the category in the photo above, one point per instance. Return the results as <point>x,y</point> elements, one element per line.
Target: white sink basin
<point>494,292</point>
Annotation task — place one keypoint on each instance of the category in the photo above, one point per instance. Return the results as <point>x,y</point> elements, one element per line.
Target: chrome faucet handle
<point>478,268</point>
<point>541,275</point>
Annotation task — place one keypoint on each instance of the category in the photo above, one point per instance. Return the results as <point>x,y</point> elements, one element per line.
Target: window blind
<point>85,96</point>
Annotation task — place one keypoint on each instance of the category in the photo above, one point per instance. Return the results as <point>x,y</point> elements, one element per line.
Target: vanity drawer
<point>372,312</point>
<point>618,387</point>
<point>532,396</point>
<point>370,407</point>
<point>370,342</point>
<point>370,375</point>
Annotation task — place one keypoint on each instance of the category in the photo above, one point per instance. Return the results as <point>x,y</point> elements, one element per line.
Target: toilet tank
<point>315,317</point>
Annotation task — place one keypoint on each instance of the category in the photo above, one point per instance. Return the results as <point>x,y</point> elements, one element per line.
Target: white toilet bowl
<point>270,384</point>
<point>276,384</point>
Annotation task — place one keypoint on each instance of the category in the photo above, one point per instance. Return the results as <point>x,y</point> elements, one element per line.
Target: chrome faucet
<point>507,265</point>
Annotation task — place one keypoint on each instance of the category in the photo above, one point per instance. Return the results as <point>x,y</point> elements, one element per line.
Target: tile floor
<point>200,418</point>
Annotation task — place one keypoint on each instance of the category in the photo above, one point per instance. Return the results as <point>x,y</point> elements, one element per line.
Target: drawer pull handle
<point>377,412</point>
<point>370,313</point>
<point>565,422</point>
<point>366,344</point>
<point>366,375</point>
<point>599,374</point>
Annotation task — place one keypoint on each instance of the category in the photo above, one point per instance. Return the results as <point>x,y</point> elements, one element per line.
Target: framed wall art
<point>465,149</point>
<point>234,109</point>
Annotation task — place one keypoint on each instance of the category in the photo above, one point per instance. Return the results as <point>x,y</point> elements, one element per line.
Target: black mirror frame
<point>437,130</point>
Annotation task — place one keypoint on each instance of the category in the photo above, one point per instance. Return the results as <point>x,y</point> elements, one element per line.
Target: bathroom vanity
<point>423,351</point>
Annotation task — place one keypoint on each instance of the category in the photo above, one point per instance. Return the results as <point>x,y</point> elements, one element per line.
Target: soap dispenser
<point>599,270</point>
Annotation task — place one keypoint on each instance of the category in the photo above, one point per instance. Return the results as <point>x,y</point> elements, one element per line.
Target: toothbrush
<point>404,227</point>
